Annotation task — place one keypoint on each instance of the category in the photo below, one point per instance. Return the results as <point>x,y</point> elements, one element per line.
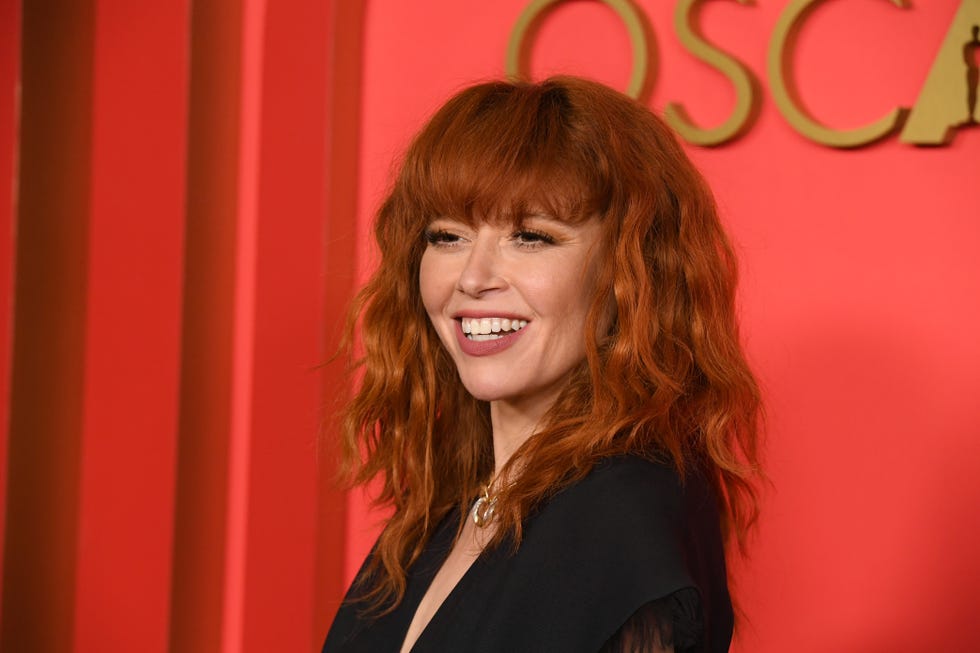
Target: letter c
<point>779,68</point>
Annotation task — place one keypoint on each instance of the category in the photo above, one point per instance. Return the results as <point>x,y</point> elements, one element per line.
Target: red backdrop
<point>185,200</point>
<point>860,292</point>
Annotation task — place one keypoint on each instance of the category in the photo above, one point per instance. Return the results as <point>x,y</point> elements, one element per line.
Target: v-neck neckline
<point>443,541</point>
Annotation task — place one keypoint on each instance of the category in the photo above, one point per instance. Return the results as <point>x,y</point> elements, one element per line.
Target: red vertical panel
<point>49,321</point>
<point>133,326</point>
<point>9,105</point>
<point>243,336</point>
<point>343,126</point>
<point>280,567</point>
<point>273,490</point>
<point>197,597</point>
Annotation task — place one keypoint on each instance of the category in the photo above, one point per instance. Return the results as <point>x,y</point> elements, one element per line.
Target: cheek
<point>436,288</point>
<point>429,284</point>
<point>574,294</point>
<point>577,296</point>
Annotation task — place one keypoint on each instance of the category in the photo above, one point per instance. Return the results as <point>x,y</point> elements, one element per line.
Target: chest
<point>588,559</point>
<point>458,599</point>
<point>465,551</point>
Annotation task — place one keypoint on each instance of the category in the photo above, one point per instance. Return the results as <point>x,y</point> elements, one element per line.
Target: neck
<point>513,422</point>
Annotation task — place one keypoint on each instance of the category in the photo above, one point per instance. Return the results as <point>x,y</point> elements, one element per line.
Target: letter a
<point>947,100</point>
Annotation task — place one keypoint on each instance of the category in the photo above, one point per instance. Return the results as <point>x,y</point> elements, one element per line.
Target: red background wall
<point>169,287</point>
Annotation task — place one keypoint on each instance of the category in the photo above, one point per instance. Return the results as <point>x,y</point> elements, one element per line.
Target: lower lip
<point>485,347</point>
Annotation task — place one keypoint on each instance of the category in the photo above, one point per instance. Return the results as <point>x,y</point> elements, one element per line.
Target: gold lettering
<point>517,52</point>
<point>737,73</point>
<point>948,99</point>
<point>784,92</point>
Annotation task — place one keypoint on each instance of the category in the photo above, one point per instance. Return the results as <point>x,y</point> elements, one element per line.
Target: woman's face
<point>509,303</point>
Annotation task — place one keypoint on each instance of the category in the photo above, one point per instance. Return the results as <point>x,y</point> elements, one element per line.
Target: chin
<point>482,393</point>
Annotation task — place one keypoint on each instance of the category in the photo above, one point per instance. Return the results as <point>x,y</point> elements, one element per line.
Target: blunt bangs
<point>502,151</point>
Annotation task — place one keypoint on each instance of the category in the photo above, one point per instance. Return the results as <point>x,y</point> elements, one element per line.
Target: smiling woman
<point>553,393</point>
<point>538,278</point>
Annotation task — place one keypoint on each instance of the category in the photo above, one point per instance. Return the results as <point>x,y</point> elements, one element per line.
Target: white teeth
<point>486,326</point>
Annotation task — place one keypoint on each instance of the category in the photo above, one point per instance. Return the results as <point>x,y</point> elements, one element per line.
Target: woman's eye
<point>440,237</point>
<point>532,238</point>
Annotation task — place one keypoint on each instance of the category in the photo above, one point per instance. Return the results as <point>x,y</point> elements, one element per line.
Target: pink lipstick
<point>485,347</point>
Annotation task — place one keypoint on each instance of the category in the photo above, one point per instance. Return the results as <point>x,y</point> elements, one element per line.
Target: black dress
<point>625,548</point>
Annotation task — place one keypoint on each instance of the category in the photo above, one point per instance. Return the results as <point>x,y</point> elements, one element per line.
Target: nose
<point>483,270</point>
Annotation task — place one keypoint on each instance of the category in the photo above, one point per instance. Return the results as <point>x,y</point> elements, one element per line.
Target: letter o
<point>627,12</point>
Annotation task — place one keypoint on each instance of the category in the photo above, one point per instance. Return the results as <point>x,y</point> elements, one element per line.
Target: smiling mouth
<point>481,329</point>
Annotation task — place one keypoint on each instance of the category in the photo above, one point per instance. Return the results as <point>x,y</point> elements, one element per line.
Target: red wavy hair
<point>668,379</point>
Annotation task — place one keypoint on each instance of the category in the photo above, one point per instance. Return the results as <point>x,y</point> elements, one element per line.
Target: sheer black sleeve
<point>669,625</point>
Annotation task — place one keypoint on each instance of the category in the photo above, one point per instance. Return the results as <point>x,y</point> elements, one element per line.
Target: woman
<point>553,393</point>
